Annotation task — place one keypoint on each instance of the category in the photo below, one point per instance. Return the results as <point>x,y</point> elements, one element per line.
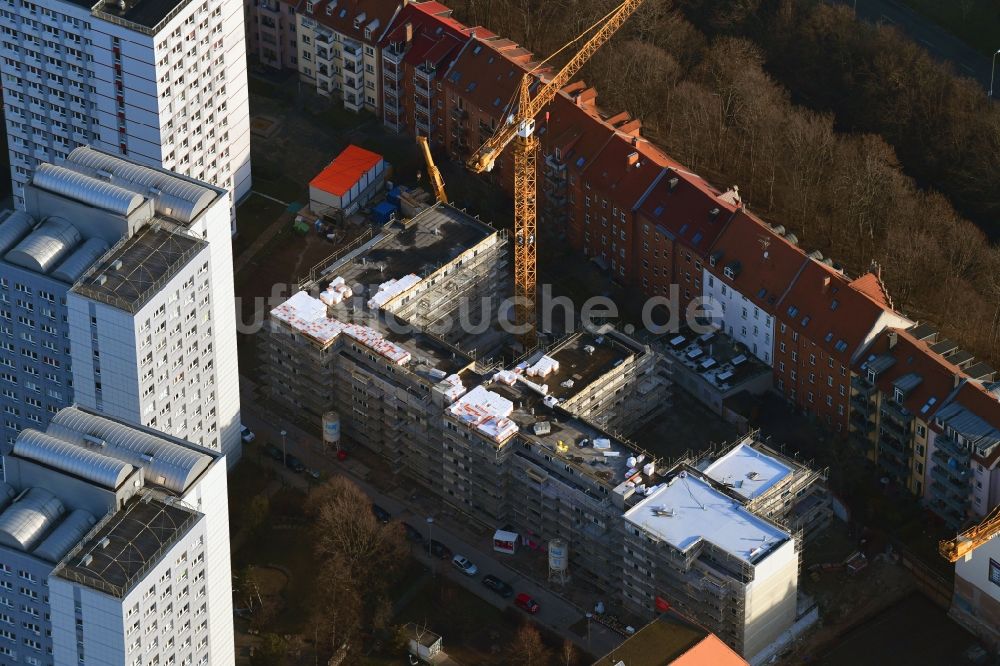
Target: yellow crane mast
<point>521,126</point>
<point>955,549</point>
<point>433,174</point>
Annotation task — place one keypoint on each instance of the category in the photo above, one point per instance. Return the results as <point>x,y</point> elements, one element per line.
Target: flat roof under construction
<point>425,243</point>
<point>136,537</point>
<point>128,275</point>
<point>749,472</point>
<point>686,511</point>
<point>583,359</point>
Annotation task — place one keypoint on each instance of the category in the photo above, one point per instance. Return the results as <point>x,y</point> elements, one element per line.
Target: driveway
<point>555,612</point>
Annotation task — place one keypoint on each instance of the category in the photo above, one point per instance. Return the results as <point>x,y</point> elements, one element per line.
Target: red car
<point>524,602</point>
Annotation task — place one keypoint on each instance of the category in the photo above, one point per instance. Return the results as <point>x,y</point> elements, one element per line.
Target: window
<point>994,572</point>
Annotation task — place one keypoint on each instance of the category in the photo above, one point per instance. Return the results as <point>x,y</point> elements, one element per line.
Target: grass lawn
<point>976,22</point>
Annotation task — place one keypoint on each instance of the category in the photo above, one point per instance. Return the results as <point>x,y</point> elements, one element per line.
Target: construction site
<point>397,344</point>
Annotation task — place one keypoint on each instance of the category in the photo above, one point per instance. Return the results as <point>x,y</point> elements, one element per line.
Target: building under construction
<point>722,541</point>
<point>534,443</point>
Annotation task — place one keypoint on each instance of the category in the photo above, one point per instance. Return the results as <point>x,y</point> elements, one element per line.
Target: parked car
<point>273,452</point>
<point>412,533</point>
<point>498,586</point>
<point>440,550</point>
<point>246,434</point>
<point>294,464</point>
<point>381,514</point>
<point>526,603</point>
<point>314,473</point>
<point>464,565</point>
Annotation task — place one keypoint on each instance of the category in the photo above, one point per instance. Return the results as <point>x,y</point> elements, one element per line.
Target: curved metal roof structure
<point>87,189</point>
<point>179,199</point>
<point>80,260</point>
<point>14,228</point>
<point>66,535</point>
<point>45,246</point>
<point>84,463</point>
<point>165,463</point>
<point>25,521</point>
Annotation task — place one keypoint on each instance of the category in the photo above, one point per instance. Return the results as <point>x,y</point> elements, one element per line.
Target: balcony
<point>421,103</point>
<point>893,428</point>
<point>862,423</point>
<point>324,55</point>
<point>555,164</point>
<point>949,448</point>
<point>393,54</point>
<point>957,478</point>
<point>324,37</point>
<point>423,127</point>
<point>459,115</point>
<point>894,468</point>
<point>862,385</point>
<point>895,447</point>
<point>352,84</point>
<point>897,413</point>
<point>352,53</point>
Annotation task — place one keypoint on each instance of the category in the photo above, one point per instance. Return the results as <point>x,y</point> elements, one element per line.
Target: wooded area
<point>864,166</point>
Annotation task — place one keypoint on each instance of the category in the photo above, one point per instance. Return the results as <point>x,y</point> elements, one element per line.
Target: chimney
<point>893,338</point>
<point>826,283</point>
<point>409,32</point>
<point>633,158</point>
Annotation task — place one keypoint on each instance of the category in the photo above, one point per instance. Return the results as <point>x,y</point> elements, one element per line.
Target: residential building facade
<point>116,289</point>
<point>163,83</point>
<point>118,540</point>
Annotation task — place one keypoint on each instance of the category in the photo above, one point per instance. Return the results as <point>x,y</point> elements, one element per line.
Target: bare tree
<point>340,605</point>
<point>527,648</point>
<point>348,530</point>
<point>568,654</point>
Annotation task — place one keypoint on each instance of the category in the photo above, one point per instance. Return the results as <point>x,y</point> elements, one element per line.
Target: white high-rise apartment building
<point>116,293</point>
<point>161,81</point>
<point>114,548</point>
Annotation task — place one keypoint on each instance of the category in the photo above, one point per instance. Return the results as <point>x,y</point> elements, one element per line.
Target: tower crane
<point>955,549</point>
<point>520,128</point>
<point>432,171</point>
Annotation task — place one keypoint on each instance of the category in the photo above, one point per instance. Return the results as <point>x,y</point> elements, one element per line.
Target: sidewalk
<point>414,505</point>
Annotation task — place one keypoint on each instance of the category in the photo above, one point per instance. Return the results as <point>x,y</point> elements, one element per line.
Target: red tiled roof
<point>574,129</point>
<point>937,375</point>
<point>710,651</point>
<point>341,17</point>
<point>626,168</point>
<point>870,285</point>
<point>822,306</point>
<point>345,170</point>
<point>767,263</point>
<point>435,34</point>
<point>485,76</point>
<point>682,209</point>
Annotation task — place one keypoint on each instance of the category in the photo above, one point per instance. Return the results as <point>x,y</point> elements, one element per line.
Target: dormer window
<point>897,395</point>
<point>872,375</point>
<point>368,33</point>
<point>309,6</point>
<point>729,272</point>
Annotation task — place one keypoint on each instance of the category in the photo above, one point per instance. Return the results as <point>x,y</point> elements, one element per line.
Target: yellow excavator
<point>433,174</point>
<point>520,130</point>
<point>962,545</point>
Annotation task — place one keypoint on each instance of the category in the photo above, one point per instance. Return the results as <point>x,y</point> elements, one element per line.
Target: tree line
<point>836,172</point>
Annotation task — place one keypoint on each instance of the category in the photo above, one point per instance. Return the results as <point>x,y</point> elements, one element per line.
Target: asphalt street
<point>555,612</point>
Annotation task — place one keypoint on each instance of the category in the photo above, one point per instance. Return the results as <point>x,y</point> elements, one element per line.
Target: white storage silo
<point>331,429</point>
<point>558,561</point>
